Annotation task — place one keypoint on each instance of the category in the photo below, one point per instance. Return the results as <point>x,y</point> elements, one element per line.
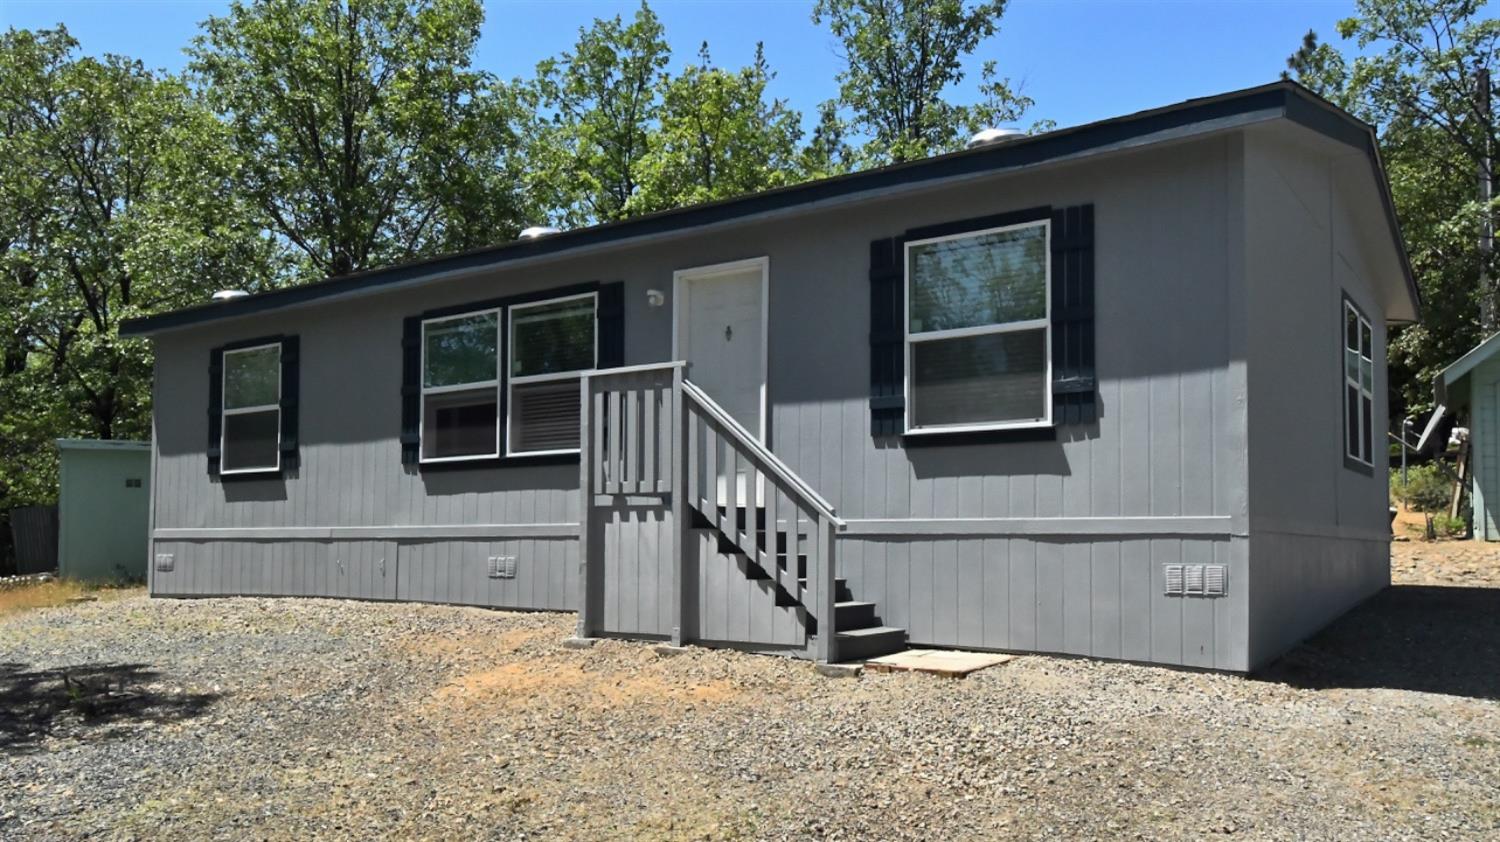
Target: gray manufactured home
<point>1115,391</point>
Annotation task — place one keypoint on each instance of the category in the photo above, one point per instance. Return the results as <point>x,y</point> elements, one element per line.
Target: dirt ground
<point>281,719</point>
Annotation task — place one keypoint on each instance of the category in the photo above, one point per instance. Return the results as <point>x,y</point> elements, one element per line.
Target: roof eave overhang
<point>1194,118</point>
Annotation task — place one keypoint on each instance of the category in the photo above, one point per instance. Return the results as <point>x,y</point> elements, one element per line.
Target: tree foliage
<point>367,137</point>
<point>900,57</point>
<point>114,202</point>
<point>320,137</point>
<point>1412,68</point>
<point>719,136</point>
<point>604,98</point>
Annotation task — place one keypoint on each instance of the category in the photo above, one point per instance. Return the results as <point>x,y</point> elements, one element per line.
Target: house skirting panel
<point>526,573</point>
<point>1100,596</point>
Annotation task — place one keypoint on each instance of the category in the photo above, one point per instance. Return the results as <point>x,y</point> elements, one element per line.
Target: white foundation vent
<point>502,566</point>
<point>1196,579</point>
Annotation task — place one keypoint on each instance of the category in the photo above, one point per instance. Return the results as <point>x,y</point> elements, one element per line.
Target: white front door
<point>720,315</point>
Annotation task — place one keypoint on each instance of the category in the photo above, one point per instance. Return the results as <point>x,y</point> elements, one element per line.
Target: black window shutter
<point>887,354</point>
<point>215,407</point>
<point>291,390</point>
<point>1074,389</point>
<point>611,325</point>
<point>411,390</point>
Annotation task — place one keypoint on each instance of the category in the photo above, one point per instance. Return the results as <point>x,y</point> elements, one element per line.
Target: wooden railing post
<point>586,457</point>
<point>828,645</point>
<point>679,492</point>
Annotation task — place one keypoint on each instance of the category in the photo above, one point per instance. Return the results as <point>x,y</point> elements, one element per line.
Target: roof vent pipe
<point>229,294</point>
<point>990,137</point>
<point>538,231</point>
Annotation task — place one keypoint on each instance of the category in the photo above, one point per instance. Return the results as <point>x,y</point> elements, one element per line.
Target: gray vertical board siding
<point>635,569</point>
<point>1317,530</point>
<point>1161,244</point>
<point>736,609</point>
<point>1161,263</point>
<point>1300,583</point>
<point>1102,598</point>
<point>1302,260</point>
<point>457,572</point>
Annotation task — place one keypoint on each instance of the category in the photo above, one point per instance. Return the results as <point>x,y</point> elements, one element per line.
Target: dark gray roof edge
<point>1293,100</point>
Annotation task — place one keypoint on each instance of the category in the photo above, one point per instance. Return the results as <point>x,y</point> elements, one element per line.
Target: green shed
<point>103,509</point>
<point>1470,389</point>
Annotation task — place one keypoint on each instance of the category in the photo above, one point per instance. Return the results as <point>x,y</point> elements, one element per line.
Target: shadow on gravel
<point>85,698</point>
<point>1408,637</point>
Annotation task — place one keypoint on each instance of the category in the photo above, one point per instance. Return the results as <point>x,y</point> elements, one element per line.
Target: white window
<point>1359,386</point>
<point>461,387</point>
<point>551,344</point>
<point>250,435</point>
<point>978,330</point>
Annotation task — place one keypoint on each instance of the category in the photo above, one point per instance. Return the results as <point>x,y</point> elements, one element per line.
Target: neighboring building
<point>103,508</point>
<point>1085,392</point>
<point>1470,389</point>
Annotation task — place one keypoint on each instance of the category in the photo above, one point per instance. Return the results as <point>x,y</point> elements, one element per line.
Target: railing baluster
<point>616,463</point>
<point>771,531</point>
<point>596,429</point>
<point>694,456</point>
<point>731,488</point>
<point>753,525</point>
<point>710,472</point>
<point>633,440</point>
<point>649,433</point>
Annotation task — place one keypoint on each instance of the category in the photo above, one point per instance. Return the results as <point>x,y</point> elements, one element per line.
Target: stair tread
<point>872,631</point>
<point>850,603</point>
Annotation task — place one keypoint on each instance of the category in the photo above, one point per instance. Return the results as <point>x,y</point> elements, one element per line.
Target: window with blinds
<point>978,330</point>
<point>551,344</point>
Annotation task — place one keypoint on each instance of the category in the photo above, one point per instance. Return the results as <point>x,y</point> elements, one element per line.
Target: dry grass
<point>54,593</point>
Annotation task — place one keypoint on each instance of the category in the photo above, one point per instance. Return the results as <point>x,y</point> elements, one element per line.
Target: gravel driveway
<point>314,718</point>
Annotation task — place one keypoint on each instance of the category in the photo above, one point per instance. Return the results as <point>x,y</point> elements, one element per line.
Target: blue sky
<point>1080,60</point>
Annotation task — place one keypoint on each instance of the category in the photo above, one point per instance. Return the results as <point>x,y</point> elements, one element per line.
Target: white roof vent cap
<point>229,294</point>
<point>987,137</point>
<point>538,231</point>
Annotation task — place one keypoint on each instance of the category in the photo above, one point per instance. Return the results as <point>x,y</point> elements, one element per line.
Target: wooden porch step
<point>853,614</point>
<point>872,642</point>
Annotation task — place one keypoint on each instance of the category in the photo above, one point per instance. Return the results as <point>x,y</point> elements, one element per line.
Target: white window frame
<point>511,381</point>
<point>225,411</point>
<point>422,456</point>
<point>1357,382</point>
<point>979,330</point>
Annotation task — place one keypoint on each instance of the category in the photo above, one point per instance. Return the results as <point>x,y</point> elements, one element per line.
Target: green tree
<point>900,57</point>
<point>367,137</point>
<point>602,102</point>
<point>827,152</point>
<point>115,201</point>
<point>1412,68</point>
<point>718,136</point>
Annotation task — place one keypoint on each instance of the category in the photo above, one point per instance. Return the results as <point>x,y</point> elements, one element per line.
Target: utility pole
<point>1488,322</point>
